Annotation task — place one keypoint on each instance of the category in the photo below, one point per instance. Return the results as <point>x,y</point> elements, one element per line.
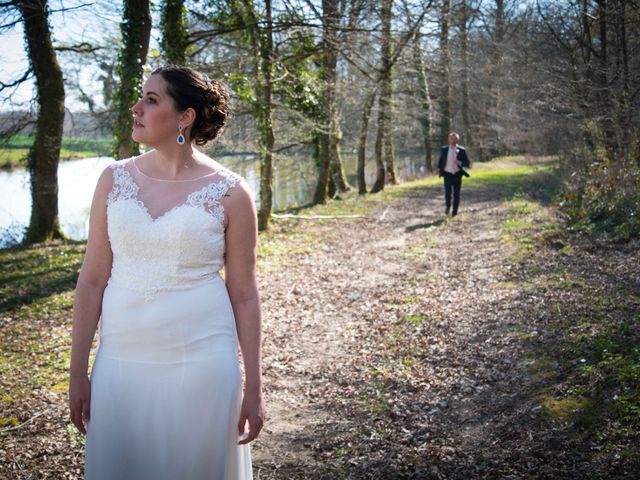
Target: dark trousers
<point>452,181</point>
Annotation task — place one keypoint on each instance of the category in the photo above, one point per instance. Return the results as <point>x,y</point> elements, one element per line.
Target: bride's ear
<point>187,118</point>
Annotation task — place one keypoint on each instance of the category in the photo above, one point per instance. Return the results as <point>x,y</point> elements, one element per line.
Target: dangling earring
<point>180,138</point>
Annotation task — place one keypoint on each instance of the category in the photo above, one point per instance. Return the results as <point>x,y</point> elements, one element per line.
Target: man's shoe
<point>446,212</point>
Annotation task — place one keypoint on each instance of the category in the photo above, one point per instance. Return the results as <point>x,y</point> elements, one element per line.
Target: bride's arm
<point>240,278</point>
<point>87,304</point>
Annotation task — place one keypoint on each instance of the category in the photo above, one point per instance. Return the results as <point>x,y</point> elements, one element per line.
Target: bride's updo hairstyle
<point>209,98</point>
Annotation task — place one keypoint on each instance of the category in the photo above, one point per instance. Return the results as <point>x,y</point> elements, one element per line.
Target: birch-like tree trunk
<point>425,101</point>
<point>362,140</point>
<point>44,154</point>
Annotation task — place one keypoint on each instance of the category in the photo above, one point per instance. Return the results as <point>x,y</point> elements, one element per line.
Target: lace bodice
<point>181,245</point>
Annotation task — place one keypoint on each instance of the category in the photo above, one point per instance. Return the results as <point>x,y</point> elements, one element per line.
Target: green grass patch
<point>517,177</point>
<point>375,399</point>
<point>275,244</point>
<point>14,153</point>
<point>528,225</point>
<point>37,272</point>
<point>569,409</point>
<point>8,421</point>
<point>414,319</point>
<point>271,248</point>
<point>420,251</point>
<point>36,295</point>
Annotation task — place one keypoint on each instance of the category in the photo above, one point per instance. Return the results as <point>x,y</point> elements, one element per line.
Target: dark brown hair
<point>209,98</point>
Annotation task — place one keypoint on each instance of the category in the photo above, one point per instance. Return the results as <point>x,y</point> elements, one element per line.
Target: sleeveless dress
<point>166,385</point>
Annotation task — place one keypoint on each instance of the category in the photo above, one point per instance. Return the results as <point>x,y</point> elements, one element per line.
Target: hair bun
<point>209,98</point>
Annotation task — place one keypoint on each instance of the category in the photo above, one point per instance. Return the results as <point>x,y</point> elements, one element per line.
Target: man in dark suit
<point>453,160</point>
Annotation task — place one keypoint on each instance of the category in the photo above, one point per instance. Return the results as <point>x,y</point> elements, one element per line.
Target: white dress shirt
<point>452,160</point>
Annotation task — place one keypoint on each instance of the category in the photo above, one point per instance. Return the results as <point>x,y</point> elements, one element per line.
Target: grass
<point>571,408</point>
<point>517,177</point>
<point>14,153</point>
<point>41,271</point>
<point>591,365</point>
<point>420,251</point>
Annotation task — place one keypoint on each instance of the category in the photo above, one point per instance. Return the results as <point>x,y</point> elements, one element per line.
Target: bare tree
<point>44,155</point>
<point>425,101</point>
<point>445,70</point>
<point>384,148</point>
<point>330,24</point>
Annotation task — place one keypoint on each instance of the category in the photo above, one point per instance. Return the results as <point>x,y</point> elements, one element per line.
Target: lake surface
<point>294,183</point>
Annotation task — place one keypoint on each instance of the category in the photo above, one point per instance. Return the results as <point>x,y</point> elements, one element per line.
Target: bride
<point>165,399</point>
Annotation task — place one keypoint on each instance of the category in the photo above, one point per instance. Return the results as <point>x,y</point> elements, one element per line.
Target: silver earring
<point>180,138</point>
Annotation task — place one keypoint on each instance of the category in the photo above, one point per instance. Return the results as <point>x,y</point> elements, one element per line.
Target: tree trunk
<point>384,148</point>
<point>378,184</point>
<point>425,102</point>
<point>386,93</point>
<point>44,155</point>
<point>136,30</point>
<point>330,21</point>
<point>464,53</point>
<point>625,113</point>
<point>497,106</point>
<point>605,109</point>
<point>267,138</point>
<point>261,41</point>
<point>322,183</point>
<point>337,169</point>
<point>445,66</point>
<point>362,140</point>
<point>174,31</point>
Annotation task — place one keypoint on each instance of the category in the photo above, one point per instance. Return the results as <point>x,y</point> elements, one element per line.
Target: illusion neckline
<point>135,165</point>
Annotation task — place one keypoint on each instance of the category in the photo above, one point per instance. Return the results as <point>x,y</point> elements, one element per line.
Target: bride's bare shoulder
<point>207,162</point>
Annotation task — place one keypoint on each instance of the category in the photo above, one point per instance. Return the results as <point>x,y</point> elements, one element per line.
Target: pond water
<point>294,183</point>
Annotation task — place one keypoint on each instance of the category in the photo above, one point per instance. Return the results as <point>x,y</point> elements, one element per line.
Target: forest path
<point>397,345</point>
<point>403,344</point>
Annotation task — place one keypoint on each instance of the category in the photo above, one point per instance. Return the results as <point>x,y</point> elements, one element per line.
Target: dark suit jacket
<point>461,156</point>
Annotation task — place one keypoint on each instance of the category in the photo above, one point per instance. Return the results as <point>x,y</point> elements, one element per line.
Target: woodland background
<point>389,350</point>
<point>360,77</point>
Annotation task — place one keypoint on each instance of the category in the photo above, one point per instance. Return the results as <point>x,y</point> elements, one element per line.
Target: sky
<point>82,22</point>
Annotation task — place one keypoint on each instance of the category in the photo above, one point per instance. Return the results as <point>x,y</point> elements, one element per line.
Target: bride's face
<point>155,116</point>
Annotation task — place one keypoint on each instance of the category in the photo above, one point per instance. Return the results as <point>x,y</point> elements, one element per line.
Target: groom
<point>453,158</point>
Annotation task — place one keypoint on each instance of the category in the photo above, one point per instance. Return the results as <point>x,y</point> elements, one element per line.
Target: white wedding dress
<point>165,385</point>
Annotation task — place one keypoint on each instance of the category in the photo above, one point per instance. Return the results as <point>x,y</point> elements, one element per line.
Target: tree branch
<point>24,78</point>
<point>83,47</point>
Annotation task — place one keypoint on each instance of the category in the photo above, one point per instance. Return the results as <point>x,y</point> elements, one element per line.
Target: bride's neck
<point>174,160</point>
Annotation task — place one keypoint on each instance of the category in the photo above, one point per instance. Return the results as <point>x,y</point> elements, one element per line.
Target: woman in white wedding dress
<point>165,398</point>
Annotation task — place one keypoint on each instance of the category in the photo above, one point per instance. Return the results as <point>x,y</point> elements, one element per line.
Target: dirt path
<point>397,345</point>
<point>402,346</point>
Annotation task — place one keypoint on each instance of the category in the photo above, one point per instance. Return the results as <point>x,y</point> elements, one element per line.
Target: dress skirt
<point>166,388</point>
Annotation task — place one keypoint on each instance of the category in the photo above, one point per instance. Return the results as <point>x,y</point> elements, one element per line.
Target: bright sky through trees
<point>80,22</point>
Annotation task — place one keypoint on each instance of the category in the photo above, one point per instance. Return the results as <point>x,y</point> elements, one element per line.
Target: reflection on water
<point>294,183</point>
